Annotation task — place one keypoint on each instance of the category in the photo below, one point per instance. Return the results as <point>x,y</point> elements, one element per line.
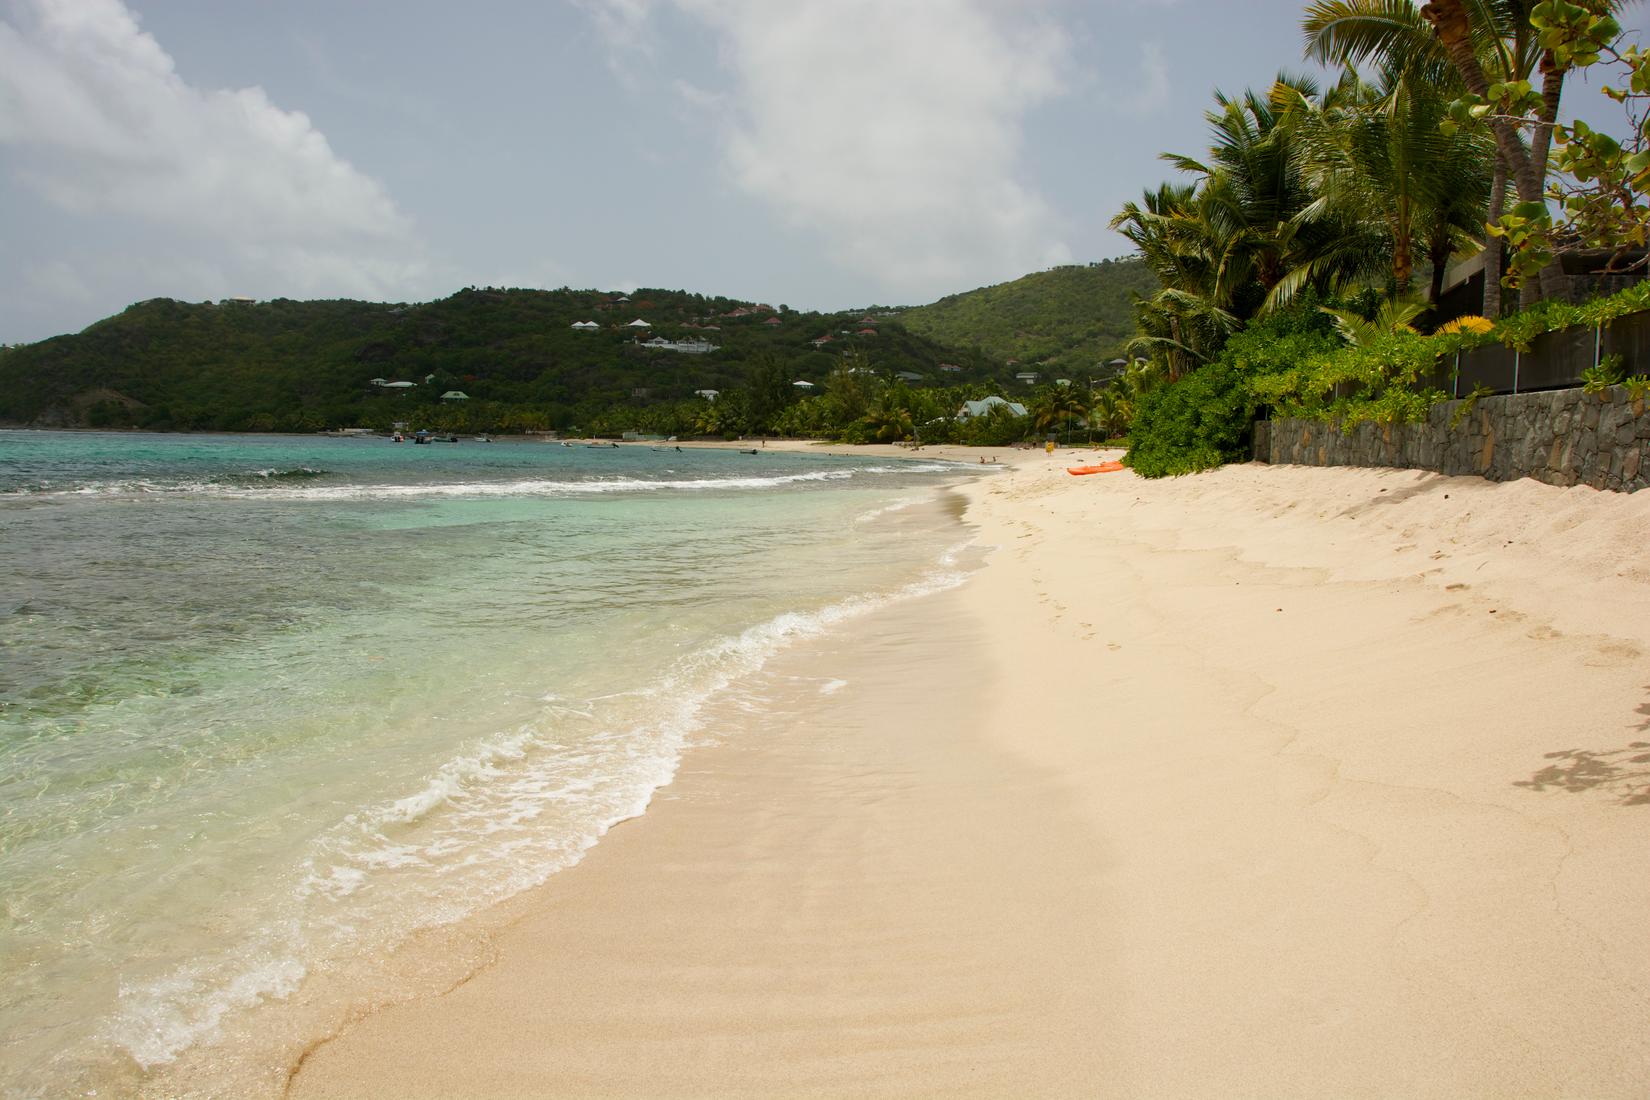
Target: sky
<point>824,154</point>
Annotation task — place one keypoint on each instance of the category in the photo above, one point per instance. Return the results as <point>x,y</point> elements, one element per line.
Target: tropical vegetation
<point>1323,218</point>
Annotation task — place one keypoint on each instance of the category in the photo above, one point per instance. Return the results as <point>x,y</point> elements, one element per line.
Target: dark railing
<point>1555,360</point>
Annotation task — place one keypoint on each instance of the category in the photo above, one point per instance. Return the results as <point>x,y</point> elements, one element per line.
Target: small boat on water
<point>484,439</point>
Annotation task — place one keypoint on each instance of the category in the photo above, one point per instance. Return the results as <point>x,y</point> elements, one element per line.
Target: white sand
<point>1268,782</point>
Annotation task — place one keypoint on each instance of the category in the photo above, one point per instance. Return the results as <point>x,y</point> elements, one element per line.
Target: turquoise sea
<point>269,706</point>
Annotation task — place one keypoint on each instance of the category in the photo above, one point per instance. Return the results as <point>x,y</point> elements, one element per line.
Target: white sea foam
<point>889,509</point>
<point>491,822</point>
<point>297,484</point>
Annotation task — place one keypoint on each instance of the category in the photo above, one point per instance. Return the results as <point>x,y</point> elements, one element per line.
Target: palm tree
<point>1181,329</point>
<point>1483,42</point>
<point>1245,237</point>
<point>889,418</point>
<point>1376,152</point>
<point>1111,412</point>
<point>1394,315</point>
<point>1057,407</point>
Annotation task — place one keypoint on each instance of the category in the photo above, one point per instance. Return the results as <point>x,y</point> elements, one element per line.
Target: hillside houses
<point>683,347</point>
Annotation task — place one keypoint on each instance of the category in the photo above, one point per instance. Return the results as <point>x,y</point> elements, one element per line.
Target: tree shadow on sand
<point>1623,772</point>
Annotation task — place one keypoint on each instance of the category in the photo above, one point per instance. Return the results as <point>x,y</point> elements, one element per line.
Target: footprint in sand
<point>1611,654</point>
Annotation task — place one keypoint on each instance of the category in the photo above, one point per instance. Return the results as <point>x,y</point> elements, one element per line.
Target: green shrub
<point>1205,418</point>
<point>1195,424</point>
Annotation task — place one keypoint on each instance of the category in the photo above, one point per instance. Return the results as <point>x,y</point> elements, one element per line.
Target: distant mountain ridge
<point>1069,319</point>
<point>520,359</point>
<point>513,354</point>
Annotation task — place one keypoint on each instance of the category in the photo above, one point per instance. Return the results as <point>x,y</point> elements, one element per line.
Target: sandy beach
<point>1273,781</point>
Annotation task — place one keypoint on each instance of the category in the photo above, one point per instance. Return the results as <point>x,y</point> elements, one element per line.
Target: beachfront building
<point>971,409</point>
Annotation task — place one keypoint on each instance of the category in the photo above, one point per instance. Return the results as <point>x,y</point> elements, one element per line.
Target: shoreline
<point>1272,781</point>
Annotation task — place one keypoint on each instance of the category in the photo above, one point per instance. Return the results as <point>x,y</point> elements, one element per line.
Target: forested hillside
<point>302,366</point>
<point>1067,320</point>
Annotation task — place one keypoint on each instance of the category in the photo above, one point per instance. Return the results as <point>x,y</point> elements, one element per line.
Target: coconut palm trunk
<point>1453,26</point>
<point>1492,243</point>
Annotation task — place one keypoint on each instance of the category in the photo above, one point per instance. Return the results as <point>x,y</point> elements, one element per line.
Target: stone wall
<point>1562,437</point>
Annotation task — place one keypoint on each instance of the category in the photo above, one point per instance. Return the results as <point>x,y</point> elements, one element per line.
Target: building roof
<point>638,323</point>
<point>399,385</point>
<point>803,383</point>
<point>455,395</point>
<point>980,408</point>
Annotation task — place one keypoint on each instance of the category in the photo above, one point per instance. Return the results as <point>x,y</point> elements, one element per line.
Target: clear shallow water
<point>270,704</point>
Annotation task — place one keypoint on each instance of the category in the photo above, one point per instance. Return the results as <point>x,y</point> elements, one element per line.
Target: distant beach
<point>1266,782</point>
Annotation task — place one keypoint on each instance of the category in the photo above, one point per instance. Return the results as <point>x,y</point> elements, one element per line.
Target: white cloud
<point>892,132</point>
<point>98,122</point>
<point>1151,90</point>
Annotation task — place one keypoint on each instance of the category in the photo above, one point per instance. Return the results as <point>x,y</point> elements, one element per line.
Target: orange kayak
<point>1103,468</point>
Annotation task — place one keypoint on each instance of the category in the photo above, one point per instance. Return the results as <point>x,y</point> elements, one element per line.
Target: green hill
<point>301,366</point>
<point>1068,320</point>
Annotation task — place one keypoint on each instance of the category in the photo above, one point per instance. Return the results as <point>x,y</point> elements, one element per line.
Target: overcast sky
<point>820,153</point>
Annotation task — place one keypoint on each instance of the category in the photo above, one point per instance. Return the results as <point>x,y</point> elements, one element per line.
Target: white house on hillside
<point>971,409</point>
